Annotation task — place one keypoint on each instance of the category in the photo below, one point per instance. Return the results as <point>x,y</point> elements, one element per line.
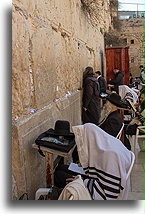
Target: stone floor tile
<point>137,168</point>
<point>135,196</point>
<point>139,158</point>
<point>137,182</point>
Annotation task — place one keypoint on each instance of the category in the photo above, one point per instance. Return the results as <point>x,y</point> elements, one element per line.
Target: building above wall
<point>130,14</point>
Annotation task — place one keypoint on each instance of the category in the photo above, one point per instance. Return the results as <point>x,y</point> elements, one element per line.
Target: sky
<point>131,7</point>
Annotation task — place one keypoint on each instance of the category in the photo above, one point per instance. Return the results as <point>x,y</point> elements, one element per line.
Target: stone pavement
<point>137,177</point>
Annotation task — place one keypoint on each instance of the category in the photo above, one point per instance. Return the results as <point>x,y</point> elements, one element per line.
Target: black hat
<point>62,128</point>
<point>116,100</point>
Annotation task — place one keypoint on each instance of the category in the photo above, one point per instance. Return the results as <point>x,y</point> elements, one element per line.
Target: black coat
<point>119,80</point>
<point>112,124</point>
<point>91,100</point>
<point>102,84</point>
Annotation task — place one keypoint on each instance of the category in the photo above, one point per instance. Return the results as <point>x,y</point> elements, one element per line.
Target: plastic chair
<point>131,139</point>
<point>120,132</point>
<point>134,138</point>
<point>139,136</point>
<point>41,191</point>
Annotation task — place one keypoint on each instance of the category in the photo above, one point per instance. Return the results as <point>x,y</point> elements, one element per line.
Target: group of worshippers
<point>112,121</point>
<point>137,81</point>
<point>105,160</point>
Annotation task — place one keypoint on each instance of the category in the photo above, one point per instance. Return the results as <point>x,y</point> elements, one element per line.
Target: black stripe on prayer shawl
<point>90,187</point>
<point>99,192</point>
<point>102,194</point>
<point>93,186</point>
<point>108,188</point>
<point>104,179</point>
<point>105,173</point>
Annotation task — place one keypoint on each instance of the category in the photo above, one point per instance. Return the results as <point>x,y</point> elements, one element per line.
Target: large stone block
<point>21,87</point>
<point>43,66</point>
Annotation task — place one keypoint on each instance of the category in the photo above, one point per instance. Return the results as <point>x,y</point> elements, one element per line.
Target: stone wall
<point>133,29</point>
<point>52,42</point>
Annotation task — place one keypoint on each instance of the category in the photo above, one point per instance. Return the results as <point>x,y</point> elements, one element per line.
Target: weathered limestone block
<point>43,66</point>
<point>18,168</point>
<point>20,66</point>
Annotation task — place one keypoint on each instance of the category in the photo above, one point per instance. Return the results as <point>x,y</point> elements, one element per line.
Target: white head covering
<point>105,161</point>
<point>128,93</point>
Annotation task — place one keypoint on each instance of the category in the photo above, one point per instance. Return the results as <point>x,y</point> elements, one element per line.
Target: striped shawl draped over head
<point>105,161</point>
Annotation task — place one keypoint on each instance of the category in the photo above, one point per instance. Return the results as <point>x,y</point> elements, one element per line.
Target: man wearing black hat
<point>113,123</point>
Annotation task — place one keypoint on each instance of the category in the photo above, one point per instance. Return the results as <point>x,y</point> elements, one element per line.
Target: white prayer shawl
<point>126,92</point>
<point>75,189</point>
<point>105,161</point>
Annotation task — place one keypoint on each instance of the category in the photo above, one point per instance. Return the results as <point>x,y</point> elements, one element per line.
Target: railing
<point>131,10</point>
<point>131,14</point>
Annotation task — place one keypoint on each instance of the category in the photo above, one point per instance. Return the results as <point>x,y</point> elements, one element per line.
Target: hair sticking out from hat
<point>98,72</point>
<point>89,70</point>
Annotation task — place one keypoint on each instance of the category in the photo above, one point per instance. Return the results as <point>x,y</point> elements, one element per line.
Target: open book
<point>75,168</point>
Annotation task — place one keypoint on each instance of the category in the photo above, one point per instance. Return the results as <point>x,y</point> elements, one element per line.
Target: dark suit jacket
<point>117,81</point>
<point>112,124</point>
<point>102,84</point>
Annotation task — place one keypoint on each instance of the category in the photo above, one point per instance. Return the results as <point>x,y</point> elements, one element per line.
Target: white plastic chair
<point>134,138</point>
<point>120,132</point>
<point>139,136</point>
<point>41,191</point>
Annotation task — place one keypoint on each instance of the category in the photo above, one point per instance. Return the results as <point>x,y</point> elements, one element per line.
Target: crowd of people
<point>101,155</point>
<point>93,85</point>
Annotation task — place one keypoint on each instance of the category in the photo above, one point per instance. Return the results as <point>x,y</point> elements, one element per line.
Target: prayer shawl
<point>105,161</point>
<point>127,93</point>
<point>75,189</point>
